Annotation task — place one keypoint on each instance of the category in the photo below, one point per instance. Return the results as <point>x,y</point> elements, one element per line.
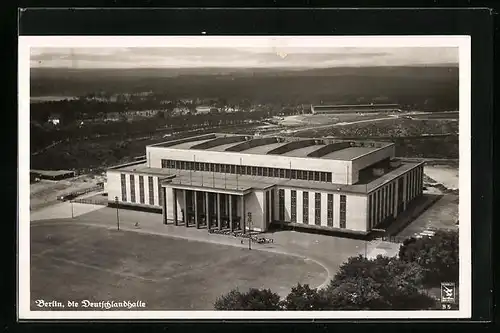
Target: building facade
<point>241,182</point>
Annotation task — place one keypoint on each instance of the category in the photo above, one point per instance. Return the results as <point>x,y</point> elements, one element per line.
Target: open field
<point>395,127</point>
<point>325,119</point>
<point>82,262</point>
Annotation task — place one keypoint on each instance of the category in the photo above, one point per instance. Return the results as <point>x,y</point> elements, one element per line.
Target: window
<point>282,173</point>
<point>329,214</point>
<point>265,172</point>
<point>316,176</point>
<point>217,167</point>
<point>151,191</point>
<point>270,172</point>
<point>124,187</point>
<point>141,190</point>
<point>160,194</point>
<point>183,165</point>
<point>268,211</point>
<point>287,173</point>
<point>212,167</point>
<point>370,209</point>
<point>281,204</point>
<point>384,199</point>
<point>400,190</point>
<point>343,202</point>
<point>177,164</point>
<point>233,169</point>
<point>254,171</point>
<point>323,176</point>
<point>317,208</point>
<point>259,171</point>
<point>305,207</point>
<point>293,210</point>
<point>276,172</point>
<point>132,188</point>
<point>294,174</point>
<point>329,177</point>
<point>164,163</point>
<point>311,175</point>
<point>249,170</point>
<point>272,205</point>
<point>299,174</point>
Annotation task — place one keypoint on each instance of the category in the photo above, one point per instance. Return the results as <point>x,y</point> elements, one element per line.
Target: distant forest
<point>431,88</point>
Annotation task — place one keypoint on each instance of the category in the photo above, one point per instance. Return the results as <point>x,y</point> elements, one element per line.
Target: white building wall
<point>255,204</point>
<point>300,211</point>
<point>337,168</point>
<point>312,217</point>
<point>113,186</point>
<point>129,190</point>
<point>137,193</point>
<point>324,209</point>
<point>336,210</point>
<point>288,204</point>
<point>169,198</point>
<point>356,218</point>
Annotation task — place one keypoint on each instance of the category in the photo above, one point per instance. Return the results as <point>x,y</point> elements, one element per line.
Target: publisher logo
<point>448,292</point>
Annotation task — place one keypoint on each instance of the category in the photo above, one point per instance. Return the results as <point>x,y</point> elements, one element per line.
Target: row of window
<point>248,170</point>
<point>142,197</point>
<point>317,208</point>
<point>383,203</point>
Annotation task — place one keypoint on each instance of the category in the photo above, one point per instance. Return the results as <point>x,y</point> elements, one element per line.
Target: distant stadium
<point>354,108</point>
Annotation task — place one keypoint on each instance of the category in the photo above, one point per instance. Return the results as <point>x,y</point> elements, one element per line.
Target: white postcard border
<point>27,42</point>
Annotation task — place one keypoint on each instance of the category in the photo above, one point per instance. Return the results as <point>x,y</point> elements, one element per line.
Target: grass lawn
<point>77,262</point>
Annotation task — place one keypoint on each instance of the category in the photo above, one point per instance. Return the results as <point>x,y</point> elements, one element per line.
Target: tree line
<point>383,283</point>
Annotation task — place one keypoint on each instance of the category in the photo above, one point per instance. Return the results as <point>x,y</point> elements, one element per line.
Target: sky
<point>239,57</point>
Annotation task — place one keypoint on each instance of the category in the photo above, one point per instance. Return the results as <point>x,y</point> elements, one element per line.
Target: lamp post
<point>72,213</point>
<point>117,216</point>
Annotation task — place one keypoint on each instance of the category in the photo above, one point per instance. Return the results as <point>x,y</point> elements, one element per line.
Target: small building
<point>206,109</point>
<point>54,119</point>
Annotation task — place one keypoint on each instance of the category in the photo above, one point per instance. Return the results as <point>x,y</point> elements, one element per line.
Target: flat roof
<point>348,154</point>
<point>262,150</point>
<point>213,180</point>
<point>188,145</point>
<point>345,154</point>
<point>222,147</point>
<point>302,152</point>
<point>144,169</point>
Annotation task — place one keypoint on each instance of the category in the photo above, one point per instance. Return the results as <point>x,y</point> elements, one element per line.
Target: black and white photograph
<point>245,177</point>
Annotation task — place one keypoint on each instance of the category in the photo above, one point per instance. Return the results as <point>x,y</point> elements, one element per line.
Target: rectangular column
<point>176,222</point>
<point>196,219</point>
<point>186,219</point>
<point>219,224</point>
<point>207,210</point>
<point>231,227</point>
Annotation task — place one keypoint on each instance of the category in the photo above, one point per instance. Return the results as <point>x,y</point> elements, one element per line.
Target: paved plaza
<point>189,264</point>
